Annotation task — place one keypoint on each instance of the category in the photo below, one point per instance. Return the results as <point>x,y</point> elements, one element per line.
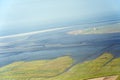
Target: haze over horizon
<point>33,15</point>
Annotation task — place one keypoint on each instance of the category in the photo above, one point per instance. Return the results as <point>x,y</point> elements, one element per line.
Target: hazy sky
<point>19,16</point>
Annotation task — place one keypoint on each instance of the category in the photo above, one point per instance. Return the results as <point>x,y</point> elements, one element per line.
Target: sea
<point>53,43</point>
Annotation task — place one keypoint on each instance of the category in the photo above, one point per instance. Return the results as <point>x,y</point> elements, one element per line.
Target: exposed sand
<point>106,78</point>
<point>112,28</point>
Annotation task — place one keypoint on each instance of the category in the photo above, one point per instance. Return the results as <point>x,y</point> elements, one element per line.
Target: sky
<point>21,16</point>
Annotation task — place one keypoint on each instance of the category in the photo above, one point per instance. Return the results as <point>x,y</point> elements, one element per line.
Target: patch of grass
<point>88,69</point>
<point>40,68</point>
<point>104,65</point>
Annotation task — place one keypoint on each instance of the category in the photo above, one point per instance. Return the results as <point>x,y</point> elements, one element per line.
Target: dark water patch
<point>56,44</point>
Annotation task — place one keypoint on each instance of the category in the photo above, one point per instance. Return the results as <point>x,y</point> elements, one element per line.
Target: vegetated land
<point>34,69</point>
<point>103,66</point>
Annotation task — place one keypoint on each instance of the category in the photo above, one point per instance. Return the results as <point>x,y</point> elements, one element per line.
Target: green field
<point>60,69</point>
<point>34,69</point>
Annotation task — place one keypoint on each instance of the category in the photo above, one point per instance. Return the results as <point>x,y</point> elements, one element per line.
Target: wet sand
<point>106,78</point>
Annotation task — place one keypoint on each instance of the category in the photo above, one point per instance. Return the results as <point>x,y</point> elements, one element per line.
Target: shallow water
<point>56,44</point>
